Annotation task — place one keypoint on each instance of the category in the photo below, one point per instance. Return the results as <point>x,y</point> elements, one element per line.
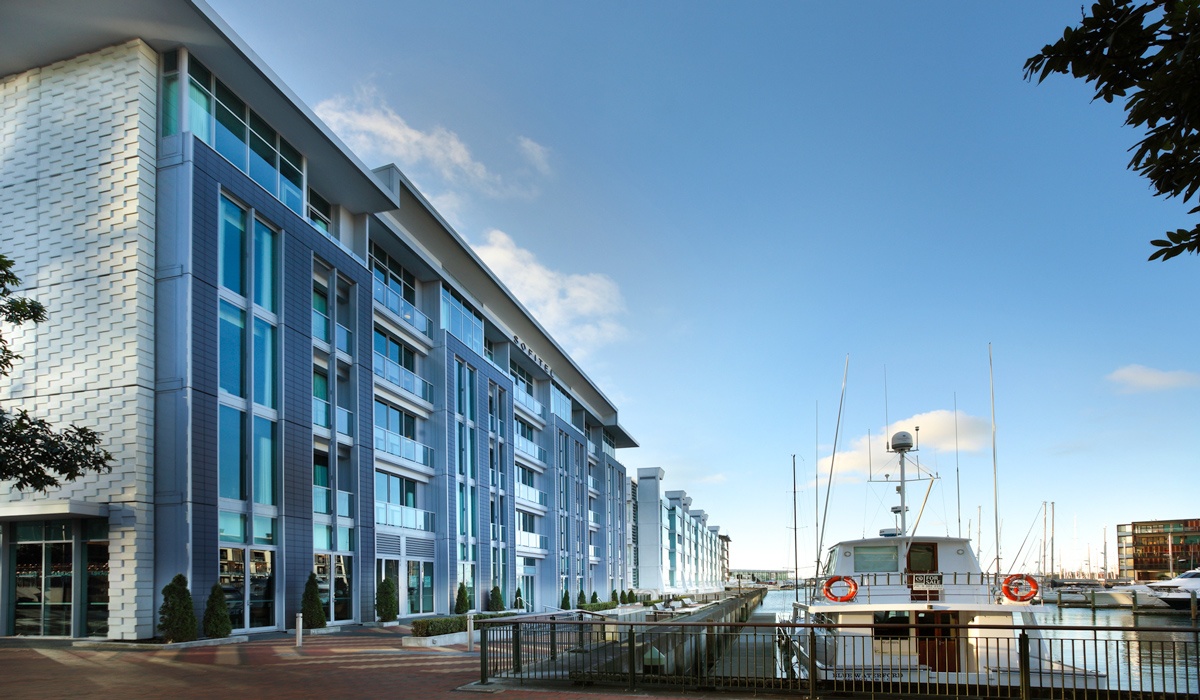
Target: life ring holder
<point>827,589</point>
<point>1013,585</point>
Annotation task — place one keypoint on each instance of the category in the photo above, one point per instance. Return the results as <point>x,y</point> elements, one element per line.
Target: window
<point>232,342</point>
<point>219,118</point>
<point>231,474</point>
<point>320,213</point>
<point>392,274</point>
<point>560,403</point>
<point>522,379</point>
<point>462,321</point>
<point>265,392</point>
<point>876,559</point>
<point>231,254</point>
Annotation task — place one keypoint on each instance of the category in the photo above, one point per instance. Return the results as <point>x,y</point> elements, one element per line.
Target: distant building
<point>748,576</point>
<point>1157,549</point>
<point>724,556</point>
<point>678,552</point>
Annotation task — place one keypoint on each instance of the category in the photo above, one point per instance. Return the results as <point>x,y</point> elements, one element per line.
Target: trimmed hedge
<point>650,603</point>
<point>597,607</point>
<point>433,626</point>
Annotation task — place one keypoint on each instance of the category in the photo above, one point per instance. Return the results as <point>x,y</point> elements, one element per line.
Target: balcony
<point>593,551</point>
<point>321,413</point>
<point>344,339</point>
<point>403,516</point>
<point>320,326</point>
<point>403,447</point>
<point>322,500</point>
<point>395,303</point>
<point>533,405</point>
<point>345,504</point>
<point>402,377</point>
<point>345,422</point>
<point>532,540</point>
<point>594,518</point>
<point>609,450</point>
<point>530,448</point>
<point>531,494</point>
<point>593,485</point>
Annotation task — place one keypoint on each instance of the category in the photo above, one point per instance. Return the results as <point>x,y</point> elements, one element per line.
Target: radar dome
<point>902,441</point>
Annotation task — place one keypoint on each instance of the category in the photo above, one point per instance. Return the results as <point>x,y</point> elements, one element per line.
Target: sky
<point>720,209</point>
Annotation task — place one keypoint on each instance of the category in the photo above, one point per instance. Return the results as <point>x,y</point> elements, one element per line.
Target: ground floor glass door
<point>247,577</point>
<point>420,587</point>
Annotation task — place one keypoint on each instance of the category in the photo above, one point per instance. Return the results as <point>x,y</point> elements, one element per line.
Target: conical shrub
<point>177,616</point>
<point>217,624</point>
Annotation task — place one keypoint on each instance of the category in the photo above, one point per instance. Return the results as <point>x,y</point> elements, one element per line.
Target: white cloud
<point>868,454</point>
<point>579,310</point>
<point>373,130</point>
<point>1133,379</point>
<point>718,478</point>
<point>537,154</point>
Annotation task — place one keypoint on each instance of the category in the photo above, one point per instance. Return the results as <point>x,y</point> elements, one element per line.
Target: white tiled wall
<point>77,198</point>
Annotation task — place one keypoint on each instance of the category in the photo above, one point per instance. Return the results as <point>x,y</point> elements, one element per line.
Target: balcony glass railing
<point>530,403</point>
<point>402,377</point>
<point>591,448</point>
<point>345,504</point>
<point>594,518</point>
<point>395,303</point>
<point>592,483</point>
<point>320,326</point>
<point>532,540</point>
<point>593,551</point>
<point>406,448</point>
<point>403,516</point>
<point>345,421</point>
<point>610,450</point>
<point>529,447</point>
<point>320,412</point>
<point>344,339</point>
<point>531,494</point>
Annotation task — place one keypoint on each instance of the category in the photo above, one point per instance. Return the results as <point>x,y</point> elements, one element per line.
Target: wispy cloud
<point>537,154</point>
<point>377,133</point>
<point>718,478</point>
<point>1136,379</point>
<point>868,454</point>
<point>580,310</point>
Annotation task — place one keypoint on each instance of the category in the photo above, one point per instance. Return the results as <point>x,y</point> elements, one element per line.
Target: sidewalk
<point>355,662</point>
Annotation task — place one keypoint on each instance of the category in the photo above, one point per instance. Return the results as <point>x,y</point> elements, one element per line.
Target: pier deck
<point>752,653</point>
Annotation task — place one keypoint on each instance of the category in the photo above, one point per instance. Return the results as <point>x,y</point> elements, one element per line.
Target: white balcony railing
<point>402,377</point>
<point>529,447</point>
<point>532,540</point>
<point>531,494</point>
<point>403,516</point>
<point>525,399</point>
<point>400,446</point>
<point>397,304</point>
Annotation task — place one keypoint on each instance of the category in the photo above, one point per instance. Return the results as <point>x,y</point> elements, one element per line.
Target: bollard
<point>553,639</point>
<point>299,629</point>
<point>470,632</point>
<point>483,657</point>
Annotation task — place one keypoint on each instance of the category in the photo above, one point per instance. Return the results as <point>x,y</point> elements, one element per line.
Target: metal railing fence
<point>726,652</point>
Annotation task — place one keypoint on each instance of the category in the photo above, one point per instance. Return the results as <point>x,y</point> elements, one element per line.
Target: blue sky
<point>712,205</point>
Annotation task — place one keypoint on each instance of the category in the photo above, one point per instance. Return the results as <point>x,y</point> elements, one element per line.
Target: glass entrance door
<point>249,590</point>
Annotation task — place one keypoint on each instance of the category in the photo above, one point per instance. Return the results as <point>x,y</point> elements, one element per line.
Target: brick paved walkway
<point>361,662</point>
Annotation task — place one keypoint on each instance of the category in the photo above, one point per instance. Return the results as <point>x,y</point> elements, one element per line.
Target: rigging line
<point>833,458</point>
<point>995,477</point>
<point>1026,540</point>
<point>957,483</point>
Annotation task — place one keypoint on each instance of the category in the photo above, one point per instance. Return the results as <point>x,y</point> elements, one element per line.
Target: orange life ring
<point>1013,585</point>
<point>827,589</point>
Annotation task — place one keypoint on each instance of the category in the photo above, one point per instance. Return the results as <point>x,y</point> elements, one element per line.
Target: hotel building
<point>1152,550</point>
<point>298,365</point>
<point>677,551</point>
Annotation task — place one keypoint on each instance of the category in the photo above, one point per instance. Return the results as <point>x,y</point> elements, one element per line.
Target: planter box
<point>437,640</point>
<point>131,646</point>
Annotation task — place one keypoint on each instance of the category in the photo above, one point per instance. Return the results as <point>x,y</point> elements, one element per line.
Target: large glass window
<point>231,241</point>
<point>392,275</point>
<point>462,321</point>
<point>231,442</point>
<point>322,494</point>
<point>264,363</point>
<point>232,340</point>
<point>219,118</point>
<point>264,461</point>
<point>420,587</point>
<point>265,263</point>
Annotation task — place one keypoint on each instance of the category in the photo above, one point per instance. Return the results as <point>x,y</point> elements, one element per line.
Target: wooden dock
<point>752,653</point>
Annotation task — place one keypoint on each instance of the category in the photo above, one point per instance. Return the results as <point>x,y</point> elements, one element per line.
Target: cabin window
<point>890,624</point>
<point>922,557</point>
<point>876,559</point>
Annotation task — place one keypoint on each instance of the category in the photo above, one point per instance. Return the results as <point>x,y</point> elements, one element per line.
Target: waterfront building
<point>298,365</point>
<point>677,551</point>
<point>1151,550</point>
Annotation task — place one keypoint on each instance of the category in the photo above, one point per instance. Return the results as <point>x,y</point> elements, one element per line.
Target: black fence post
<point>632,659</point>
<point>516,652</point>
<point>483,654</point>
<point>1023,660</point>
<point>812,663</point>
<point>553,639</point>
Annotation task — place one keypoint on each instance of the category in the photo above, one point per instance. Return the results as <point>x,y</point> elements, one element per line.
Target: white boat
<point>922,606</point>
<point>1179,591</point>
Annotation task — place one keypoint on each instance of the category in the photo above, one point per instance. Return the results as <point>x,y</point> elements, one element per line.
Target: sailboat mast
<point>957,484</point>
<point>795,533</point>
<point>995,478</point>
